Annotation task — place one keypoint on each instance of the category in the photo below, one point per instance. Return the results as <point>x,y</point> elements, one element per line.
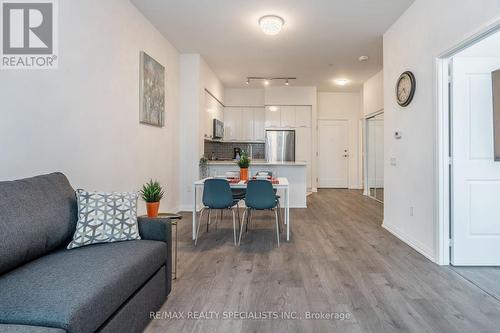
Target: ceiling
<point>320,41</point>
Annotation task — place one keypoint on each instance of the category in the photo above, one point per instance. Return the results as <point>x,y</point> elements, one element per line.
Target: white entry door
<point>475,175</point>
<point>333,149</point>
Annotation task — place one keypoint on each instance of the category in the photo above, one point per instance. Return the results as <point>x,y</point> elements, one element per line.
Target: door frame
<point>366,190</point>
<point>348,122</point>
<point>443,165</point>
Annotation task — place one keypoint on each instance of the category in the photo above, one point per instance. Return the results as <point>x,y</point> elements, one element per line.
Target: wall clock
<point>405,88</point>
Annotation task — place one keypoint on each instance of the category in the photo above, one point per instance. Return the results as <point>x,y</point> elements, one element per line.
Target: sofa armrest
<point>159,229</point>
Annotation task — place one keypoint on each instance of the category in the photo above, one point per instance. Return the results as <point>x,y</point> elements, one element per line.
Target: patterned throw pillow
<point>105,217</point>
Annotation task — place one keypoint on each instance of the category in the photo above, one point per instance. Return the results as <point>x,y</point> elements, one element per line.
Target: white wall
<point>83,118</point>
<point>373,94</point>
<point>244,97</point>
<point>426,30</point>
<point>195,77</point>
<point>188,140</point>
<point>346,106</point>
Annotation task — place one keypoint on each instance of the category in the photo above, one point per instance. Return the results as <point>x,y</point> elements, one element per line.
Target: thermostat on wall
<point>398,135</point>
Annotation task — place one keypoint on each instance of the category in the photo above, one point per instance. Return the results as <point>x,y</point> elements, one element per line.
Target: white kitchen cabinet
<point>303,115</point>
<point>247,124</point>
<point>213,110</point>
<point>303,138</point>
<point>244,124</point>
<point>287,116</point>
<point>273,116</point>
<point>232,123</point>
<point>259,128</point>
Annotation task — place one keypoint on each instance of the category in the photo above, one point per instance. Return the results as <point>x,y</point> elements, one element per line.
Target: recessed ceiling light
<point>273,108</point>
<point>363,58</point>
<point>271,24</point>
<point>266,82</point>
<point>341,82</point>
<point>287,83</point>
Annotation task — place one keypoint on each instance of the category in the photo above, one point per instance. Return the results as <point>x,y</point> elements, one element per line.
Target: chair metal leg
<point>245,214</point>
<point>280,217</point>
<point>277,227</point>
<point>198,228</point>
<point>238,211</point>
<point>234,227</point>
<point>208,219</point>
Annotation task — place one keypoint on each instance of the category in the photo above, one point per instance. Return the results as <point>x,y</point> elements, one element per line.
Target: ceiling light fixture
<point>267,80</point>
<point>273,108</point>
<point>271,24</point>
<point>363,58</point>
<point>341,82</point>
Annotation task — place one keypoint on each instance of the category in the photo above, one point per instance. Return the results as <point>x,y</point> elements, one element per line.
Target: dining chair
<point>260,196</point>
<point>217,195</point>
<point>270,174</point>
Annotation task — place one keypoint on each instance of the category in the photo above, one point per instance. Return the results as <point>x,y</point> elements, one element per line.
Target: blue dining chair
<point>260,196</point>
<point>217,195</point>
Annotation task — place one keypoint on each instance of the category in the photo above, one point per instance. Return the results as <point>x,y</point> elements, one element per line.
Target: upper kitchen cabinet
<point>232,123</point>
<point>213,110</point>
<point>303,115</point>
<point>259,127</point>
<point>244,124</point>
<point>273,116</point>
<point>288,116</point>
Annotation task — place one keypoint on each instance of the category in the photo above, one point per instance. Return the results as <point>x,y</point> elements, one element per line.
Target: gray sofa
<point>109,287</point>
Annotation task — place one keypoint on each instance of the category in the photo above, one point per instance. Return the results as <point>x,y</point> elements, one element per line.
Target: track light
<point>267,80</point>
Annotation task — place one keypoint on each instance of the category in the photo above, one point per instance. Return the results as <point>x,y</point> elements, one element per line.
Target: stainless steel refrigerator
<point>280,145</point>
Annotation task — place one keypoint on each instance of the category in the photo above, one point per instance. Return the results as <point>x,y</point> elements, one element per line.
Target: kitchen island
<point>295,172</point>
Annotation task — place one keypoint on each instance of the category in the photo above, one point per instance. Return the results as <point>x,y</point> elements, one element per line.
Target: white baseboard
<point>412,243</point>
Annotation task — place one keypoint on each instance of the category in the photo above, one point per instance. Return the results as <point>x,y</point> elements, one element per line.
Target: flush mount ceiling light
<point>271,24</point>
<point>363,58</point>
<point>341,82</point>
<point>273,108</point>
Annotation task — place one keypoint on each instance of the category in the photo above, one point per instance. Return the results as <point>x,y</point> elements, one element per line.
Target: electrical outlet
<point>411,211</point>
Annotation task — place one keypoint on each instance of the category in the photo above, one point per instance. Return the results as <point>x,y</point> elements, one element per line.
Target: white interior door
<point>333,149</point>
<point>475,175</point>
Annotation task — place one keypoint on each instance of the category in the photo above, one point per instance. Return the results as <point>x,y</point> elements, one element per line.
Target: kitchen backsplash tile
<point>224,150</point>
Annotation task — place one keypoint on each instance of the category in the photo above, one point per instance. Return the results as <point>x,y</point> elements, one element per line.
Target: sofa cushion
<point>78,290</point>
<point>105,218</point>
<point>37,216</point>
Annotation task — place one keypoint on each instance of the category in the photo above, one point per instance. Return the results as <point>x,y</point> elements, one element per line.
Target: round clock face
<point>405,88</point>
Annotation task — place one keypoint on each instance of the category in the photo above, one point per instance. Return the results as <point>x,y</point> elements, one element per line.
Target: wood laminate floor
<point>339,260</point>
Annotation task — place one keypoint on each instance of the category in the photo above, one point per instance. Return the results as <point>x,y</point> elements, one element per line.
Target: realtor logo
<point>29,34</point>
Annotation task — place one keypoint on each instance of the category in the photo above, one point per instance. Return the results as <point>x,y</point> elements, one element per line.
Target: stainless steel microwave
<point>218,129</point>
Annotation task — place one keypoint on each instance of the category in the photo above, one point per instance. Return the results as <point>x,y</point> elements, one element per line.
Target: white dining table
<point>282,184</point>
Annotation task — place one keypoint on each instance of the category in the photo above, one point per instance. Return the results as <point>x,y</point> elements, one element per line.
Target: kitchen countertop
<point>259,162</point>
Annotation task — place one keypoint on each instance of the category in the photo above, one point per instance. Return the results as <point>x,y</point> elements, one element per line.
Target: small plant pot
<point>243,173</point>
<point>152,208</point>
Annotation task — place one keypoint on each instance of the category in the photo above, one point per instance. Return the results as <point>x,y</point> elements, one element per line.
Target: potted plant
<point>203,167</point>
<point>243,163</point>
<point>152,193</point>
